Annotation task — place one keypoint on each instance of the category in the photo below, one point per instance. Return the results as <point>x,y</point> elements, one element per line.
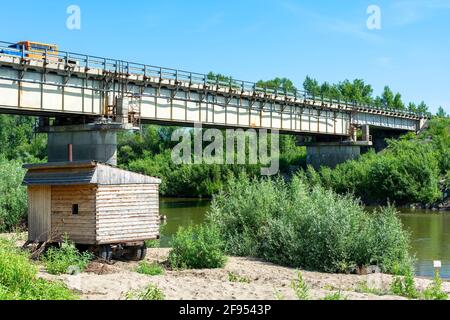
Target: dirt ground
<point>266,281</point>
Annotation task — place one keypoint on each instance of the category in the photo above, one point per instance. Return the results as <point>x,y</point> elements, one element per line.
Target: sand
<point>267,281</point>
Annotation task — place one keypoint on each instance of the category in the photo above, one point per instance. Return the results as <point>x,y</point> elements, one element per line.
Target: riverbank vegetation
<point>19,281</point>
<point>197,247</point>
<point>413,169</point>
<point>307,226</point>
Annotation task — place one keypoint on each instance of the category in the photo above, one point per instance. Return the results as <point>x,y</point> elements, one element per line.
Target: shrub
<point>197,247</point>
<point>152,269</point>
<point>405,286</point>
<point>61,260</point>
<point>152,292</point>
<point>300,287</point>
<point>304,226</point>
<point>13,196</point>
<point>434,290</point>
<point>18,278</point>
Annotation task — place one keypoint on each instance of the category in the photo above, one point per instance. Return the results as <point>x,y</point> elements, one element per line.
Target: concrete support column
<point>94,142</point>
<point>366,133</point>
<point>330,155</point>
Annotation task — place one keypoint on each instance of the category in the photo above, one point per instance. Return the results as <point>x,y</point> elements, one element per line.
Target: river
<point>430,231</point>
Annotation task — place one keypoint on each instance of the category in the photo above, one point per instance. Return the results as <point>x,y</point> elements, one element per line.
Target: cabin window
<point>75,209</point>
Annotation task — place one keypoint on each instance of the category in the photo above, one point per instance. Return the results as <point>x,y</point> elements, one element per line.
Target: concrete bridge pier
<point>94,141</point>
<point>330,154</point>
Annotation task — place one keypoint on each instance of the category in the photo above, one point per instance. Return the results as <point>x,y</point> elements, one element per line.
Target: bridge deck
<point>83,87</point>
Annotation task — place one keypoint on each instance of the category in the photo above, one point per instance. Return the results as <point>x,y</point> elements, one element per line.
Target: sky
<point>258,39</point>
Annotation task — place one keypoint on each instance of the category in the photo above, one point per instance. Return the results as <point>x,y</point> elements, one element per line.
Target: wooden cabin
<point>92,203</point>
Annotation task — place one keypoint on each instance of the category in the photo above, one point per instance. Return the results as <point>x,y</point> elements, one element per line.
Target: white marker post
<point>437,267</point>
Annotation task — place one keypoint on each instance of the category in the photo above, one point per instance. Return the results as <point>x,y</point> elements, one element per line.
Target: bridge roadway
<point>78,85</point>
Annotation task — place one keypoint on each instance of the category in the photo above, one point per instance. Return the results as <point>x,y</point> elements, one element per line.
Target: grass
<point>66,259</point>
<point>152,292</point>
<point>335,296</point>
<point>362,287</point>
<point>151,269</point>
<point>19,281</point>
<point>300,287</point>
<point>233,277</point>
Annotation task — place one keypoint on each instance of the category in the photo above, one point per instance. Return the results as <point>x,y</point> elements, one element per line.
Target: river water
<point>430,231</point>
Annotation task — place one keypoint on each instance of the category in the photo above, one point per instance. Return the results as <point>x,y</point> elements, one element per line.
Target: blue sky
<point>253,40</point>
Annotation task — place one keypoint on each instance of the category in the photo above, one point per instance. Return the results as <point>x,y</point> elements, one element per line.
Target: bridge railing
<point>129,68</point>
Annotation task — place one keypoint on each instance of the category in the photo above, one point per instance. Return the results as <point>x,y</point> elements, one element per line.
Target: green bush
<point>13,196</point>
<point>305,226</point>
<point>18,278</point>
<point>408,171</point>
<point>152,269</point>
<point>405,286</point>
<point>60,260</point>
<point>197,247</point>
<point>434,290</point>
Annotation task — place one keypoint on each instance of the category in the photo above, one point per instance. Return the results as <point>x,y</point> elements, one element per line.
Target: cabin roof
<point>82,172</point>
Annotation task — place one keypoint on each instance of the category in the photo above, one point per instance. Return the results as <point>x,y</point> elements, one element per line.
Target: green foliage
<point>233,277</point>
<point>18,278</point>
<point>150,154</point>
<point>13,196</point>
<point>279,84</point>
<point>300,225</point>
<point>197,247</point>
<point>408,171</point>
<point>152,292</point>
<point>62,260</point>
<point>18,141</point>
<point>405,286</point>
<point>362,287</point>
<point>434,290</point>
<point>151,269</point>
<point>156,243</point>
<point>300,287</point>
<point>358,92</point>
<point>335,296</point>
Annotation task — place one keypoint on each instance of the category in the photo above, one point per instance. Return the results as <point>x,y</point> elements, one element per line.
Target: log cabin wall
<point>73,213</point>
<point>127,212</point>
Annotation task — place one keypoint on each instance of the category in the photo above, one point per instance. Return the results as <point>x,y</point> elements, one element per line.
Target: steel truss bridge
<point>76,85</point>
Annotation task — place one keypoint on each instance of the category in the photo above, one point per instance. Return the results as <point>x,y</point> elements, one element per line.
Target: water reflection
<point>430,235</point>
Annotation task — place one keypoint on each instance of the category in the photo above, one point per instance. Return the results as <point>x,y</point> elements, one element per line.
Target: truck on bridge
<point>33,50</point>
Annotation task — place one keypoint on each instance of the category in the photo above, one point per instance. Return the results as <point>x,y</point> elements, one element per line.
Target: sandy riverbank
<point>267,281</point>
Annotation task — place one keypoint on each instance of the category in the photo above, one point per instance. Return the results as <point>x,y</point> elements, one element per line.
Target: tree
<point>311,86</point>
<point>412,107</point>
<point>387,97</point>
<point>398,103</point>
<point>283,84</point>
<point>441,112</point>
<point>422,108</point>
